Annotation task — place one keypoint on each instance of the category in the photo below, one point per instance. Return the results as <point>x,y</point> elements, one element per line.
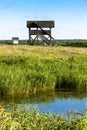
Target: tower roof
<point>43,24</point>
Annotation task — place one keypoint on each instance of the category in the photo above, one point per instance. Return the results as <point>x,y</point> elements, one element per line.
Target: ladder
<point>45,39</point>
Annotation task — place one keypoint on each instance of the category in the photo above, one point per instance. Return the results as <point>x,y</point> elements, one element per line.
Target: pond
<point>56,102</point>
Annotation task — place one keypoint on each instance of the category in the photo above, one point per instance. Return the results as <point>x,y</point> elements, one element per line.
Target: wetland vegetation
<point>26,70</point>
<point>33,120</point>
<point>30,69</point>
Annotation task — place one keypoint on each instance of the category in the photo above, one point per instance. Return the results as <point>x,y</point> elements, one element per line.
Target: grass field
<point>29,69</point>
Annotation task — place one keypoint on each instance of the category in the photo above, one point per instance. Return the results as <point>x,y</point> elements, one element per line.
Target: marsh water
<point>55,102</point>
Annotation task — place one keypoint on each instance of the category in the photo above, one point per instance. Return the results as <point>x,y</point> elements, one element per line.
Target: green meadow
<point>28,69</point>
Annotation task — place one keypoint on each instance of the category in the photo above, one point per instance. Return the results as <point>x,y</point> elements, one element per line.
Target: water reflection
<point>55,102</point>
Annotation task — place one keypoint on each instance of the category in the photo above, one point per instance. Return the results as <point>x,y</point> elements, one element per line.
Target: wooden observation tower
<point>40,30</point>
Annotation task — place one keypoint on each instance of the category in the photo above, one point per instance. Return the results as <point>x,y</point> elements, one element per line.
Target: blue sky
<point>70,17</point>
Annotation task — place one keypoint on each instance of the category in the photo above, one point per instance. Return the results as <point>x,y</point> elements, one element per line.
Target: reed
<point>26,69</point>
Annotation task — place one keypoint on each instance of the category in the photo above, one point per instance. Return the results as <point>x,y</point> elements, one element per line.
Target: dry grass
<point>42,52</point>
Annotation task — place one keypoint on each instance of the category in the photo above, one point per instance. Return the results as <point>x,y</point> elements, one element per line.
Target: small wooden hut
<point>15,40</point>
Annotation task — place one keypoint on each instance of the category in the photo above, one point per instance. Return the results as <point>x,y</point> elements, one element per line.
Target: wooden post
<point>37,34</point>
<point>50,35</point>
<point>29,36</point>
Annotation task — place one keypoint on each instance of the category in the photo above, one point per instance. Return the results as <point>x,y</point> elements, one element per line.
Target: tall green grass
<point>41,69</point>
